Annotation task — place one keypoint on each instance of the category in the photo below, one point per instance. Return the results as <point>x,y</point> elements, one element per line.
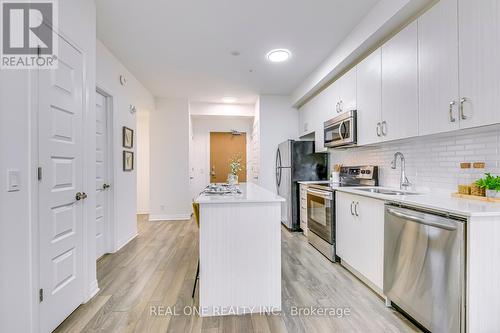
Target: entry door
<point>223,147</point>
<point>102,183</point>
<point>60,129</point>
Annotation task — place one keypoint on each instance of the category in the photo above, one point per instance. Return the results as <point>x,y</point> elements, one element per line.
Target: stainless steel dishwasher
<point>424,267</point>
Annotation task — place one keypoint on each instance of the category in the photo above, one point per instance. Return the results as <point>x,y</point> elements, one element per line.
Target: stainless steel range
<point>321,206</point>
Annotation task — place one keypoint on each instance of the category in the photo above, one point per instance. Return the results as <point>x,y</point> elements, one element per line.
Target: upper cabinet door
<point>329,100</point>
<point>438,69</point>
<point>369,99</point>
<point>479,45</point>
<point>400,85</point>
<point>305,120</point>
<point>347,91</point>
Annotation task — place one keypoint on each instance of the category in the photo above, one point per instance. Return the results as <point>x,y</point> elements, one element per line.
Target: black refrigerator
<point>296,161</point>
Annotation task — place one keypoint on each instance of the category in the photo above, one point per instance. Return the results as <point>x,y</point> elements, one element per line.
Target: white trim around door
<point>105,223</point>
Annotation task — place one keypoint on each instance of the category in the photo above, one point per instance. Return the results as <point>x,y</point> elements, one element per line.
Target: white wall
<point>255,164</point>
<point>143,158</point>
<point>278,122</point>
<point>18,255</point>
<point>432,162</point>
<point>202,126</point>
<point>124,184</point>
<point>219,109</point>
<point>169,168</point>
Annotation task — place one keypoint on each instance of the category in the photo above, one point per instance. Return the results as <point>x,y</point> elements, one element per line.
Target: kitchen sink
<point>386,191</point>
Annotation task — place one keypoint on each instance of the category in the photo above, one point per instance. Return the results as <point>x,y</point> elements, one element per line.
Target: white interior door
<point>101,182</point>
<point>60,128</point>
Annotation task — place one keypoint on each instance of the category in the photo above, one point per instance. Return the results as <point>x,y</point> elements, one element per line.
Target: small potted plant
<point>235,166</point>
<point>491,184</point>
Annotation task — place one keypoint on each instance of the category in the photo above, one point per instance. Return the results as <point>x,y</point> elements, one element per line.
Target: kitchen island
<point>240,252</point>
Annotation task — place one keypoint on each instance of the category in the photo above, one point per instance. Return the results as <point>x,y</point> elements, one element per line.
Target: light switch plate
<point>13,180</point>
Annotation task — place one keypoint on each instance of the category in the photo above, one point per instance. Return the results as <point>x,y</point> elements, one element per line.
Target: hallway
<point>157,270</point>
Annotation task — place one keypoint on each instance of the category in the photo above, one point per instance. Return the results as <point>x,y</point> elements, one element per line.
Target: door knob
<point>80,196</point>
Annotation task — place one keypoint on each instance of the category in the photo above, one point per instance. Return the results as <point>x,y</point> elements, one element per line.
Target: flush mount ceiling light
<point>228,99</point>
<point>278,55</point>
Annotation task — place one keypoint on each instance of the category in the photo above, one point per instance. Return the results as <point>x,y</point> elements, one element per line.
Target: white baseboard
<point>93,290</point>
<point>120,246</point>
<point>169,217</point>
<point>142,213</point>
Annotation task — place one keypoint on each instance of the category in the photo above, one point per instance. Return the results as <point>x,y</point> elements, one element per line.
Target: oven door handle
<point>321,194</point>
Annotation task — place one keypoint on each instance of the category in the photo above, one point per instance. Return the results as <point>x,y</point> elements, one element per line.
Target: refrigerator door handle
<point>278,168</point>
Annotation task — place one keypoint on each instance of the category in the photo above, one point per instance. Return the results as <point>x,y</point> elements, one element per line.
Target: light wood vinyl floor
<point>157,269</point>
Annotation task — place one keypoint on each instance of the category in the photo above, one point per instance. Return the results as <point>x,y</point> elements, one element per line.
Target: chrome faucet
<point>404,183</point>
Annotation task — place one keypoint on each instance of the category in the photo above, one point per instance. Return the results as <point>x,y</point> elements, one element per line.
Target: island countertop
<point>250,193</point>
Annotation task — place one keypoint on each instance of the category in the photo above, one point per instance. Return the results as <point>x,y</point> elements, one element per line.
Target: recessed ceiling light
<point>278,55</point>
<point>229,99</point>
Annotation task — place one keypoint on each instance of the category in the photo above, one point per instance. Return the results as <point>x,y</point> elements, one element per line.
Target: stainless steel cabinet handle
<point>341,105</point>
<point>384,128</point>
<point>378,129</point>
<point>420,220</point>
<point>352,204</point>
<point>337,107</point>
<point>452,119</point>
<point>356,208</point>
<point>462,113</point>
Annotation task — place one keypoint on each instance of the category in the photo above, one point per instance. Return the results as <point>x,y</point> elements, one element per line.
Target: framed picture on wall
<point>128,137</point>
<point>128,160</point>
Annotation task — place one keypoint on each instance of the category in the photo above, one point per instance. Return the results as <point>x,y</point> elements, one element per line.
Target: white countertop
<point>307,182</point>
<point>250,192</point>
<point>436,200</point>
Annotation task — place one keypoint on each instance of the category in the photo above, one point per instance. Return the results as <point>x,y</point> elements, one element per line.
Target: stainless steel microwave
<point>341,131</point>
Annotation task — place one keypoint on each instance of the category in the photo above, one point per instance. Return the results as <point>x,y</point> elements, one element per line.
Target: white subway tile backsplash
<point>431,162</point>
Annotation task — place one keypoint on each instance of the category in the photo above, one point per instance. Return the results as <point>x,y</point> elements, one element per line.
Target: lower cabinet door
<point>360,235</point>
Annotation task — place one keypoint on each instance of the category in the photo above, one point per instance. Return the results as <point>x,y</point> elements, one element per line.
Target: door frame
<point>111,227</point>
<point>89,281</point>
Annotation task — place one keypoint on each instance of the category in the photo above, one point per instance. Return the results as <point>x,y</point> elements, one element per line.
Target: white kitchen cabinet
<point>344,90</point>
<point>360,236</point>
<point>306,120</point>
<point>314,113</point>
<point>438,69</point>
<point>369,99</point>
<point>400,85</point>
<point>479,54</point>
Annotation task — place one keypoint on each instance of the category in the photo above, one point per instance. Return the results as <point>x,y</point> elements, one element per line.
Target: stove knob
<point>363,172</point>
<point>368,172</point>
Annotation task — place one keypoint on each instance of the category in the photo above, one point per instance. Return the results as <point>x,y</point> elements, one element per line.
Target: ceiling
<point>182,48</point>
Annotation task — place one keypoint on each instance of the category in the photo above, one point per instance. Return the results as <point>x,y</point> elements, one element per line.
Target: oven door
<point>341,133</point>
<point>320,213</point>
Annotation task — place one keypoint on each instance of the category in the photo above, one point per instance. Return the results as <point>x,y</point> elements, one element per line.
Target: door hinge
<point>39,171</point>
<point>40,295</point>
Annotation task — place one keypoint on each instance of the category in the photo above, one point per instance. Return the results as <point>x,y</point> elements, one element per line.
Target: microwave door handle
<point>340,130</point>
